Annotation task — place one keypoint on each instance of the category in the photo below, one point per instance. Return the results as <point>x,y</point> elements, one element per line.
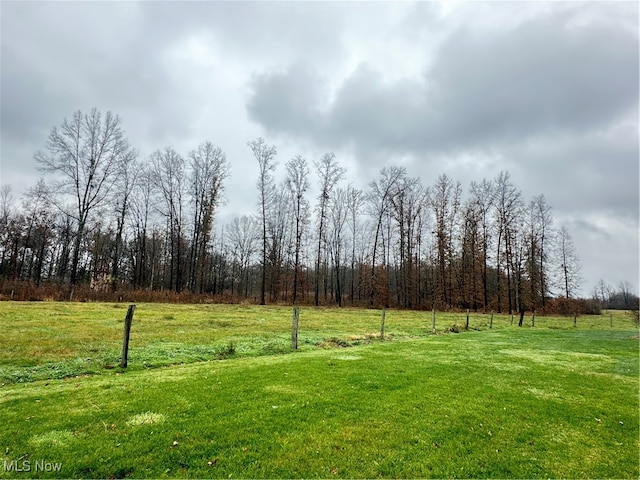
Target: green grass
<point>550,401</point>
<point>45,340</point>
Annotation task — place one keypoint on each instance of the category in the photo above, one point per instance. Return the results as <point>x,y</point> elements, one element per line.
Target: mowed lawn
<point>545,401</point>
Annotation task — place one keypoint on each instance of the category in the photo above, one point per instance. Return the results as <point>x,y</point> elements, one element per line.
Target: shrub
<point>570,306</point>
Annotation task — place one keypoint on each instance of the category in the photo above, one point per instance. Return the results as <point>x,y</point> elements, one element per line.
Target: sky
<point>545,91</point>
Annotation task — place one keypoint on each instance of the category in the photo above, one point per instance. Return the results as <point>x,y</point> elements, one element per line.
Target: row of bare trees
<point>109,219</point>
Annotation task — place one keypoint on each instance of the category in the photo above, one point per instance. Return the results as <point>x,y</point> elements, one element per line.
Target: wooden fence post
<point>384,314</point>
<point>611,319</point>
<point>511,318</point>
<point>433,320</point>
<point>575,319</point>
<point>533,318</point>
<point>294,327</point>
<point>491,321</point>
<point>125,338</point>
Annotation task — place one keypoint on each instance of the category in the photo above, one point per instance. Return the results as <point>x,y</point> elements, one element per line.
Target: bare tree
<point>243,235</point>
<point>408,202</point>
<point>125,182</point>
<point>338,213</point>
<point>483,198</point>
<point>298,184</point>
<point>379,201</point>
<point>471,254</point>
<point>539,223</point>
<point>631,302</point>
<point>170,181</point>
<point>265,155</point>
<point>518,248</point>
<point>209,168</point>
<point>445,202</point>
<point>277,233</point>
<point>508,206</point>
<point>64,232</point>
<point>355,201</point>
<point>40,223</point>
<point>569,276</point>
<point>624,288</point>
<point>329,173</point>
<point>84,154</point>
<point>602,293</point>
<point>6,200</point>
<point>141,209</point>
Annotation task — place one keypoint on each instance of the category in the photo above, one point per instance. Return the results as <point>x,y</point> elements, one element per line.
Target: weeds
<point>227,351</point>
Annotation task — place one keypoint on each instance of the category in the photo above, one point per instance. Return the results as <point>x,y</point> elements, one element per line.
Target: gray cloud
<point>591,171</point>
<point>290,100</point>
<point>541,77</point>
<point>548,91</point>
<point>536,79</point>
<point>553,97</point>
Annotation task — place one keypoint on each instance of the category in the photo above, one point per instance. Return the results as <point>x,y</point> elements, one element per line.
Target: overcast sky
<point>547,91</point>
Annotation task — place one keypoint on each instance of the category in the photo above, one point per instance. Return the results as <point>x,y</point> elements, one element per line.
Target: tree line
<point>109,220</point>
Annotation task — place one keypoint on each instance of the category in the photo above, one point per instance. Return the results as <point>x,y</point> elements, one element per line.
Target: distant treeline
<point>106,224</point>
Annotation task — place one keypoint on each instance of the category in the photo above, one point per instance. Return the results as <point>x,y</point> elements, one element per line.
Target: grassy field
<point>545,401</point>
<point>56,340</point>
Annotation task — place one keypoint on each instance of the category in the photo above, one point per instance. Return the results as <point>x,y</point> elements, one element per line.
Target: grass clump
<point>227,351</point>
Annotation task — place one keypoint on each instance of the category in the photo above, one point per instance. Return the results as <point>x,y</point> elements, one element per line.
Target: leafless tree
<point>378,199</point>
<point>329,173</point>
<point>84,154</point>
<point>508,207</point>
<point>355,201</point>
<point>40,223</point>
<point>141,210</point>
<point>540,224</point>
<point>209,169</point>
<point>483,198</point>
<point>338,214</point>
<point>471,254</point>
<point>6,201</point>
<point>169,175</point>
<point>126,180</point>
<point>243,234</point>
<point>265,155</point>
<point>445,202</point>
<point>602,293</point>
<point>569,279</point>
<point>518,248</point>
<point>298,184</point>
<point>624,288</point>
<point>278,234</point>
<point>408,203</point>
